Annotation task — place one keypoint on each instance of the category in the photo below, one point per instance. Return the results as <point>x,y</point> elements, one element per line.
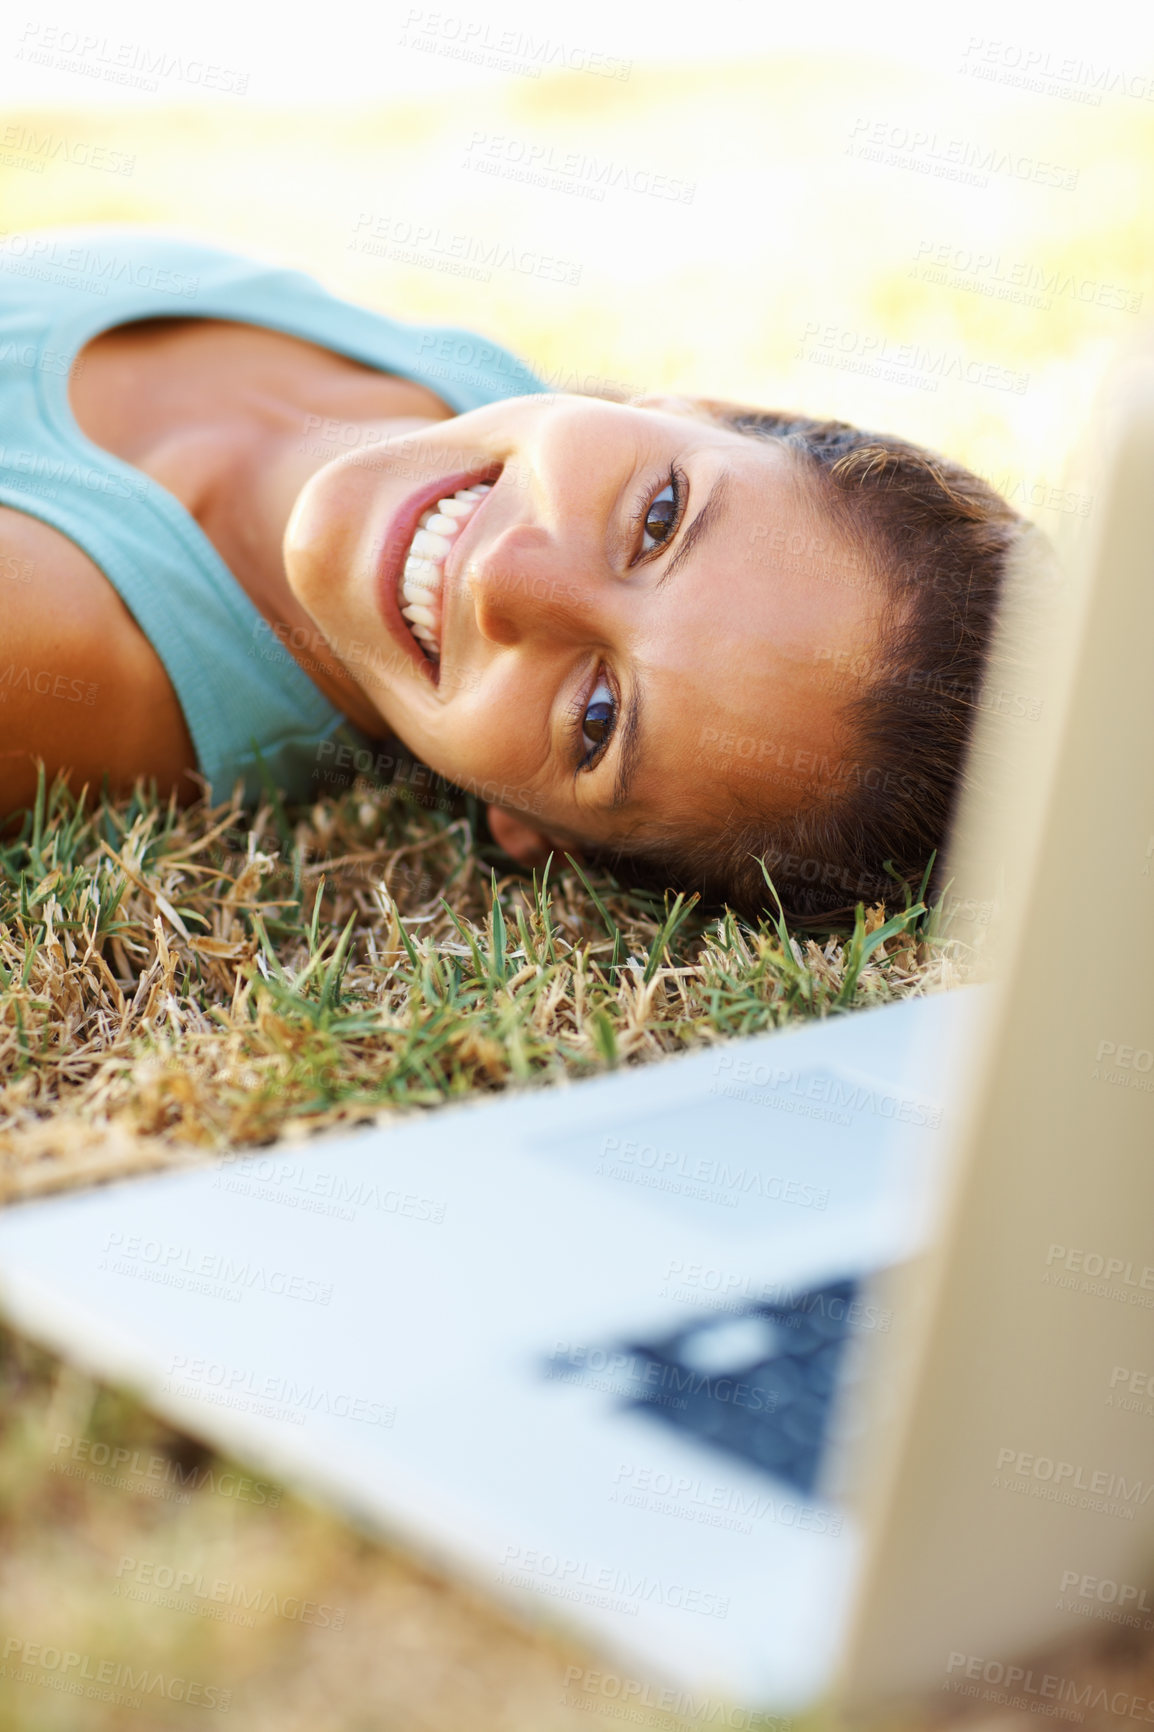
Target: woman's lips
<point>390,562</point>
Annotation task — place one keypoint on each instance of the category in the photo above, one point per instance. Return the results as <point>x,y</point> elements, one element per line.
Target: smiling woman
<point>603,616</point>
<point>688,633</point>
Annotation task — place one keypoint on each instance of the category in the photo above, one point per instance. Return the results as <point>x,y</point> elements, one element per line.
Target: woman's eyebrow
<point>710,516</point>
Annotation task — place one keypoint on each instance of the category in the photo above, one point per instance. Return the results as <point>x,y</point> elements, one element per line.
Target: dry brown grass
<point>175,982</point>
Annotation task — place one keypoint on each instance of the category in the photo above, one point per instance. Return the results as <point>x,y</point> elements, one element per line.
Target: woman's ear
<point>532,847</point>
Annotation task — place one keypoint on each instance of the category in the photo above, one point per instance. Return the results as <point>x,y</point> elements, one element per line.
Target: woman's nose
<point>522,587</point>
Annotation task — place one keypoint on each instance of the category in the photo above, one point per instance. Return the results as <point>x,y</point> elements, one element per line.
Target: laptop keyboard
<point>758,1384</point>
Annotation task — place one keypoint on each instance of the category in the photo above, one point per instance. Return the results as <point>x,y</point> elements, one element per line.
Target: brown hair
<point>941,537</point>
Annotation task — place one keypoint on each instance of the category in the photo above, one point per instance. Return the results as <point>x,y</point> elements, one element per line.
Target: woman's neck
<point>233,420</point>
<point>246,509</point>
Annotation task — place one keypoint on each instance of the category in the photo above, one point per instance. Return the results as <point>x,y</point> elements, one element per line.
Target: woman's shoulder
<point>80,685</point>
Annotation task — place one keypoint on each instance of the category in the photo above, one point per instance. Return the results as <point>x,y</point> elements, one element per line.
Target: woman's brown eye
<point>599,718</point>
<point>660,518</point>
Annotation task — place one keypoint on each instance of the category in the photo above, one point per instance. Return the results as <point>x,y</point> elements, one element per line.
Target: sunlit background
<point>939,227</point>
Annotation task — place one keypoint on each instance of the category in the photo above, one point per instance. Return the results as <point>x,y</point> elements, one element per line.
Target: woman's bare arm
<point>80,685</point>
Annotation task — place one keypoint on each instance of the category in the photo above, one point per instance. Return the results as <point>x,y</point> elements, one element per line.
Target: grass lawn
<point>178,982</point>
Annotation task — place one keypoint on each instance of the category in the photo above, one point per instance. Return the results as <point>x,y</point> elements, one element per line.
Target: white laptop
<point>775,1371</point>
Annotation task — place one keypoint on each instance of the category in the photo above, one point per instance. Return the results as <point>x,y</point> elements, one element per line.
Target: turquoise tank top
<point>244,697</point>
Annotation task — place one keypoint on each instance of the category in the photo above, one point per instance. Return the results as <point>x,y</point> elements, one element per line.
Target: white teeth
<point>429,546</point>
<point>424,571</point>
<point>418,594</point>
<point>420,615</point>
<point>419,591</point>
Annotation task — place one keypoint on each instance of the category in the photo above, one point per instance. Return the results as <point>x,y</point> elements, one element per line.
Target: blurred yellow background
<point>952,258</point>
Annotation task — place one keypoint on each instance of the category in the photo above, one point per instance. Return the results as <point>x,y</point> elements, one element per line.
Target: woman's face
<point>643,612</point>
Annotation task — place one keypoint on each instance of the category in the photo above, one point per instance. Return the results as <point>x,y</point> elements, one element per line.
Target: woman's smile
<point>410,564</point>
<point>421,584</point>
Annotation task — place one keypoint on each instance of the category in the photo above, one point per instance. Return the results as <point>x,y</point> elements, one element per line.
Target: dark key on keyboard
<point>758,1384</point>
